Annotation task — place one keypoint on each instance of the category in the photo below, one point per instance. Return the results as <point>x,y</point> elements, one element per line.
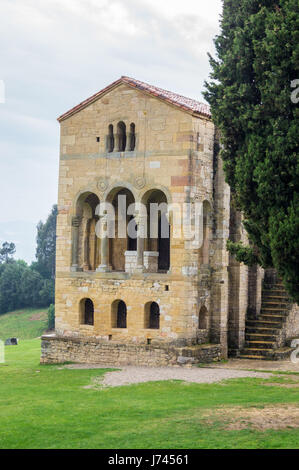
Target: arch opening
<point>85,243</point>
<point>202,318</point>
<point>132,142</point>
<point>121,136</point>
<point>121,199</point>
<point>158,236</point>
<point>110,139</point>
<point>86,312</point>
<point>119,314</point>
<point>152,316</point>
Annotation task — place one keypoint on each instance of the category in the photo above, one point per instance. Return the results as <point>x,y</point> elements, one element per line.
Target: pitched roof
<point>187,104</point>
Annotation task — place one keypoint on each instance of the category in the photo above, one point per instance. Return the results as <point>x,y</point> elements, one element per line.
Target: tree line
<point>22,285</point>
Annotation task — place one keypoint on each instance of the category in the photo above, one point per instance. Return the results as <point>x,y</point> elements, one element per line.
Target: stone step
<point>274,355</point>
<point>274,298</point>
<point>260,337</point>
<point>259,344</point>
<point>258,352</point>
<point>272,287</point>
<point>275,304</point>
<point>272,310</point>
<point>276,284</point>
<point>264,323</point>
<point>262,330</point>
<point>252,357</point>
<point>270,317</point>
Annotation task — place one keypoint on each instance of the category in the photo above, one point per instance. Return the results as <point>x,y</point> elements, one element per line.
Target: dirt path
<point>132,375</point>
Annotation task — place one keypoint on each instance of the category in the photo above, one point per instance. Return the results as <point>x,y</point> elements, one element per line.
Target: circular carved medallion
<point>139,182</point>
<point>102,184</point>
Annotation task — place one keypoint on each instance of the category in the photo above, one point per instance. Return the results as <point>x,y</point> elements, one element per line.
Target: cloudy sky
<point>56,53</point>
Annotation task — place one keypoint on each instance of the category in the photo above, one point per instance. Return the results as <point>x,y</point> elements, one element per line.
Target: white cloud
<point>58,53</point>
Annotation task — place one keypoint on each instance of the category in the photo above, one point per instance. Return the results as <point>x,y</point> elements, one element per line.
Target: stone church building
<point>154,300</point>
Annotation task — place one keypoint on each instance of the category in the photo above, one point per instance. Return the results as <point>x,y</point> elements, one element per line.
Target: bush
<point>51,317</point>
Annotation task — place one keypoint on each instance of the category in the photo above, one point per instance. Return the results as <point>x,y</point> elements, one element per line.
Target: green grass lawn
<point>44,407</point>
<point>23,324</point>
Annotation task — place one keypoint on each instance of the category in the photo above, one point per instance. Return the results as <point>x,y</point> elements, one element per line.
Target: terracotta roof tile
<point>182,102</point>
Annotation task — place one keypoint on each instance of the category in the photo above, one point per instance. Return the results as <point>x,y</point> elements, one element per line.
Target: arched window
<point>122,137</point>
<point>85,244</point>
<point>119,314</point>
<point>152,315</point>
<point>121,199</point>
<point>87,312</point>
<point>110,139</point>
<point>158,237</point>
<point>202,318</point>
<point>132,137</point>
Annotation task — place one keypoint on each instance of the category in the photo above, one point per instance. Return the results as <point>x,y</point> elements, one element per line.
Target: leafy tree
<point>46,246</point>
<point>250,97</point>
<point>6,252</point>
<point>31,284</point>
<point>47,293</point>
<point>11,286</point>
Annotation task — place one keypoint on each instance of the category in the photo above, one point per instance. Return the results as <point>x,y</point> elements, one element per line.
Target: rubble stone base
<point>60,349</point>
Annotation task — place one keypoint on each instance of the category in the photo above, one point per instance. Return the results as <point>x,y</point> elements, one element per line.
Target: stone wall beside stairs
<point>291,329</point>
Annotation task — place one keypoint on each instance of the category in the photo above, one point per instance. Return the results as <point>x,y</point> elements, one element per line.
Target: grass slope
<point>23,324</point>
<point>44,407</point>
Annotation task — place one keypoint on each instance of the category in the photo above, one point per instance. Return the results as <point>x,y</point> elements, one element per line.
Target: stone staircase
<point>263,334</point>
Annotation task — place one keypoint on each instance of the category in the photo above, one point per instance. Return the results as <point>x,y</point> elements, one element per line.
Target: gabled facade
<point>145,300</point>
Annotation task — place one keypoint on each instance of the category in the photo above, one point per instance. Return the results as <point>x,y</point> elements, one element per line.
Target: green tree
<point>46,246</point>
<point>250,97</point>
<point>31,284</point>
<point>6,252</point>
<point>11,286</point>
<point>47,293</point>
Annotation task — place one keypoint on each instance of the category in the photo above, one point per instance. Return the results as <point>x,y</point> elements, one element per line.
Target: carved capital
<point>76,221</point>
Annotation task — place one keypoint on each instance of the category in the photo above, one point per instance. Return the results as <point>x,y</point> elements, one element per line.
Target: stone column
<point>104,266</point>
<point>116,142</point>
<point>86,247</point>
<point>141,223</point>
<point>75,242</point>
<point>128,142</point>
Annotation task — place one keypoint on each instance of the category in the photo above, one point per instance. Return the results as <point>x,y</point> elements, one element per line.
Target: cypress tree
<point>252,103</point>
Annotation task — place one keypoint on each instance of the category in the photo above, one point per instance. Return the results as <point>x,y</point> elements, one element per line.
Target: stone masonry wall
<point>57,349</point>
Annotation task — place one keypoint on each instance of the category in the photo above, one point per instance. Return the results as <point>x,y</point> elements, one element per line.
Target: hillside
<point>23,324</point>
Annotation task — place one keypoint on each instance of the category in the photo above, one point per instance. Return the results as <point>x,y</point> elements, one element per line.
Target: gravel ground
<point>132,375</point>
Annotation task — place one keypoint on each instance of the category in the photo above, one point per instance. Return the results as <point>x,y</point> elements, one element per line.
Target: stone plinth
<point>131,261</point>
<point>150,259</point>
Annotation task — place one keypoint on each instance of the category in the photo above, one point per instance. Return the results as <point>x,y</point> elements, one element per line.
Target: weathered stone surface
<point>173,154</point>
<point>57,349</point>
